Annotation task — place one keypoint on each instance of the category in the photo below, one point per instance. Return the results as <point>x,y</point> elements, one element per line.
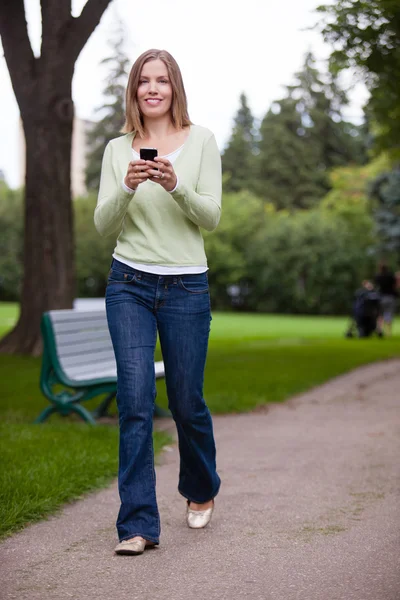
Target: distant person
<point>366,306</point>
<point>156,208</point>
<point>386,284</point>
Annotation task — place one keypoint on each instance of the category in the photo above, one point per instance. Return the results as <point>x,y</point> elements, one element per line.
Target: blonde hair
<point>179,111</point>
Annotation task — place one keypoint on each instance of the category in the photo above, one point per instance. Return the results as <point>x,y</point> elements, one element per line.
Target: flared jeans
<point>138,306</point>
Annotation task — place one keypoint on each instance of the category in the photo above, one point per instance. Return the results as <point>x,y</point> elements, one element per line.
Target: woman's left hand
<point>165,175</point>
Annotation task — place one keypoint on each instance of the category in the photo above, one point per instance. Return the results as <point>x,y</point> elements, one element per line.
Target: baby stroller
<point>366,308</point>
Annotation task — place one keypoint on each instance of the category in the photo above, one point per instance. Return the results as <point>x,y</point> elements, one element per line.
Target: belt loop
<point>175,280</point>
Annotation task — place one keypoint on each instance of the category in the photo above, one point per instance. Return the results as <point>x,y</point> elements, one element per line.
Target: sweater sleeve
<point>203,206</point>
<point>113,200</point>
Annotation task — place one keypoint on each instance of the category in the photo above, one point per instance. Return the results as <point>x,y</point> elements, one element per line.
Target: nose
<point>153,87</point>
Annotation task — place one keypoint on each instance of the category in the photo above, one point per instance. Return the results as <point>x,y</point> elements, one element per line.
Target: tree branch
<point>56,16</point>
<point>84,25</point>
<point>17,47</point>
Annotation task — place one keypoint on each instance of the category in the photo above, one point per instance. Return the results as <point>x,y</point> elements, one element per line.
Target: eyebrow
<point>158,77</point>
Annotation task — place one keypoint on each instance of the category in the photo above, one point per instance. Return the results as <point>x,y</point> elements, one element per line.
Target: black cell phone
<point>148,153</point>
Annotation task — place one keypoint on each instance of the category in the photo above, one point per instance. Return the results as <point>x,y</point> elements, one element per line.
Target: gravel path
<point>309,510</point>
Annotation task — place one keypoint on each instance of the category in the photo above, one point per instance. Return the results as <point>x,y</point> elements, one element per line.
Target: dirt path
<point>309,509</point>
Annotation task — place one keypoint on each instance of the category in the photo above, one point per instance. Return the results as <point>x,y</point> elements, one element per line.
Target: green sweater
<point>156,227</point>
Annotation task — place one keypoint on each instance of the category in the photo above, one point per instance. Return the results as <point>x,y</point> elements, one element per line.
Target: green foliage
<point>303,136</point>
<point>238,159</point>
<point>308,262</point>
<point>385,190</point>
<point>242,215</point>
<point>11,242</point>
<point>348,199</point>
<point>349,184</point>
<point>365,35</point>
<point>113,111</point>
<point>93,252</point>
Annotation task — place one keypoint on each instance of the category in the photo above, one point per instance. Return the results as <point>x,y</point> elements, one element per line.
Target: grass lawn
<point>252,360</point>
<point>9,312</point>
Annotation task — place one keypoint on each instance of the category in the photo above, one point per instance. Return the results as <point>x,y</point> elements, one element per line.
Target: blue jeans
<point>178,307</point>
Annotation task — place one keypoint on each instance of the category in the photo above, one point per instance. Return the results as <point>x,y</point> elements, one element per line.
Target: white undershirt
<point>159,269</point>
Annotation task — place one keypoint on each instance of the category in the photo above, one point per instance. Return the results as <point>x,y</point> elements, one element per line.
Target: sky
<point>223,48</point>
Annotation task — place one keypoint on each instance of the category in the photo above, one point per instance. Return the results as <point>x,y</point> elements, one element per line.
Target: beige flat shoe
<point>133,546</point>
<point>197,519</point>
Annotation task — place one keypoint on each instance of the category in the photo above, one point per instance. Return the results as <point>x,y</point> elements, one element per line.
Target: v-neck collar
<point>130,137</point>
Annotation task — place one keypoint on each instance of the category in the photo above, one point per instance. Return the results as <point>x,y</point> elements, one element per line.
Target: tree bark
<point>48,241</point>
<point>43,90</point>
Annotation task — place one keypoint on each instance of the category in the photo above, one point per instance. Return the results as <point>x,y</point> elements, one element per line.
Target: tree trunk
<point>43,90</point>
<point>48,238</point>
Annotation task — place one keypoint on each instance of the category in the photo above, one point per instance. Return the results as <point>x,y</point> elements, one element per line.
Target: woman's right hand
<point>136,173</point>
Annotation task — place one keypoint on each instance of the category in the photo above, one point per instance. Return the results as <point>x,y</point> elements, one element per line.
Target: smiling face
<point>154,92</point>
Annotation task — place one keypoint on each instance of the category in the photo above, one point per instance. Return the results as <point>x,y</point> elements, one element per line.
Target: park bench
<point>79,364</point>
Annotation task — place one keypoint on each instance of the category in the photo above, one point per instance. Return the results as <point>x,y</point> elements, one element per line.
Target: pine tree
<point>302,136</point>
<point>385,190</point>
<point>109,126</point>
<point>238,158</point>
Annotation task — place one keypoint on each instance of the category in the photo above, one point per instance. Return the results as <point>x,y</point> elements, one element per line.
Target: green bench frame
<point>79,329</point>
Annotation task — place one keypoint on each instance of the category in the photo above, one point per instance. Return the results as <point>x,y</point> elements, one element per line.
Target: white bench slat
<point>76,316</point>
<point>69,339</point>
<point>76,327</point>
<point>84,360</point>
<point>159,368</point>
<point>107,373</point>
<point>93,371</point>
<point>107,370</point>
<point>84,349</point>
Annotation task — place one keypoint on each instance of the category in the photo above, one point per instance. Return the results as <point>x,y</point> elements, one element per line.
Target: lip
<point>153,100</point>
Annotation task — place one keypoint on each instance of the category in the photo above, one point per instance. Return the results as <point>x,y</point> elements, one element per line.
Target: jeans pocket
<point>115,276</point>
<point>195,284</point>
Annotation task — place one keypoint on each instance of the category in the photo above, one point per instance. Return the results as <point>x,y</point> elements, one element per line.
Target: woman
<point>158,282</point>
